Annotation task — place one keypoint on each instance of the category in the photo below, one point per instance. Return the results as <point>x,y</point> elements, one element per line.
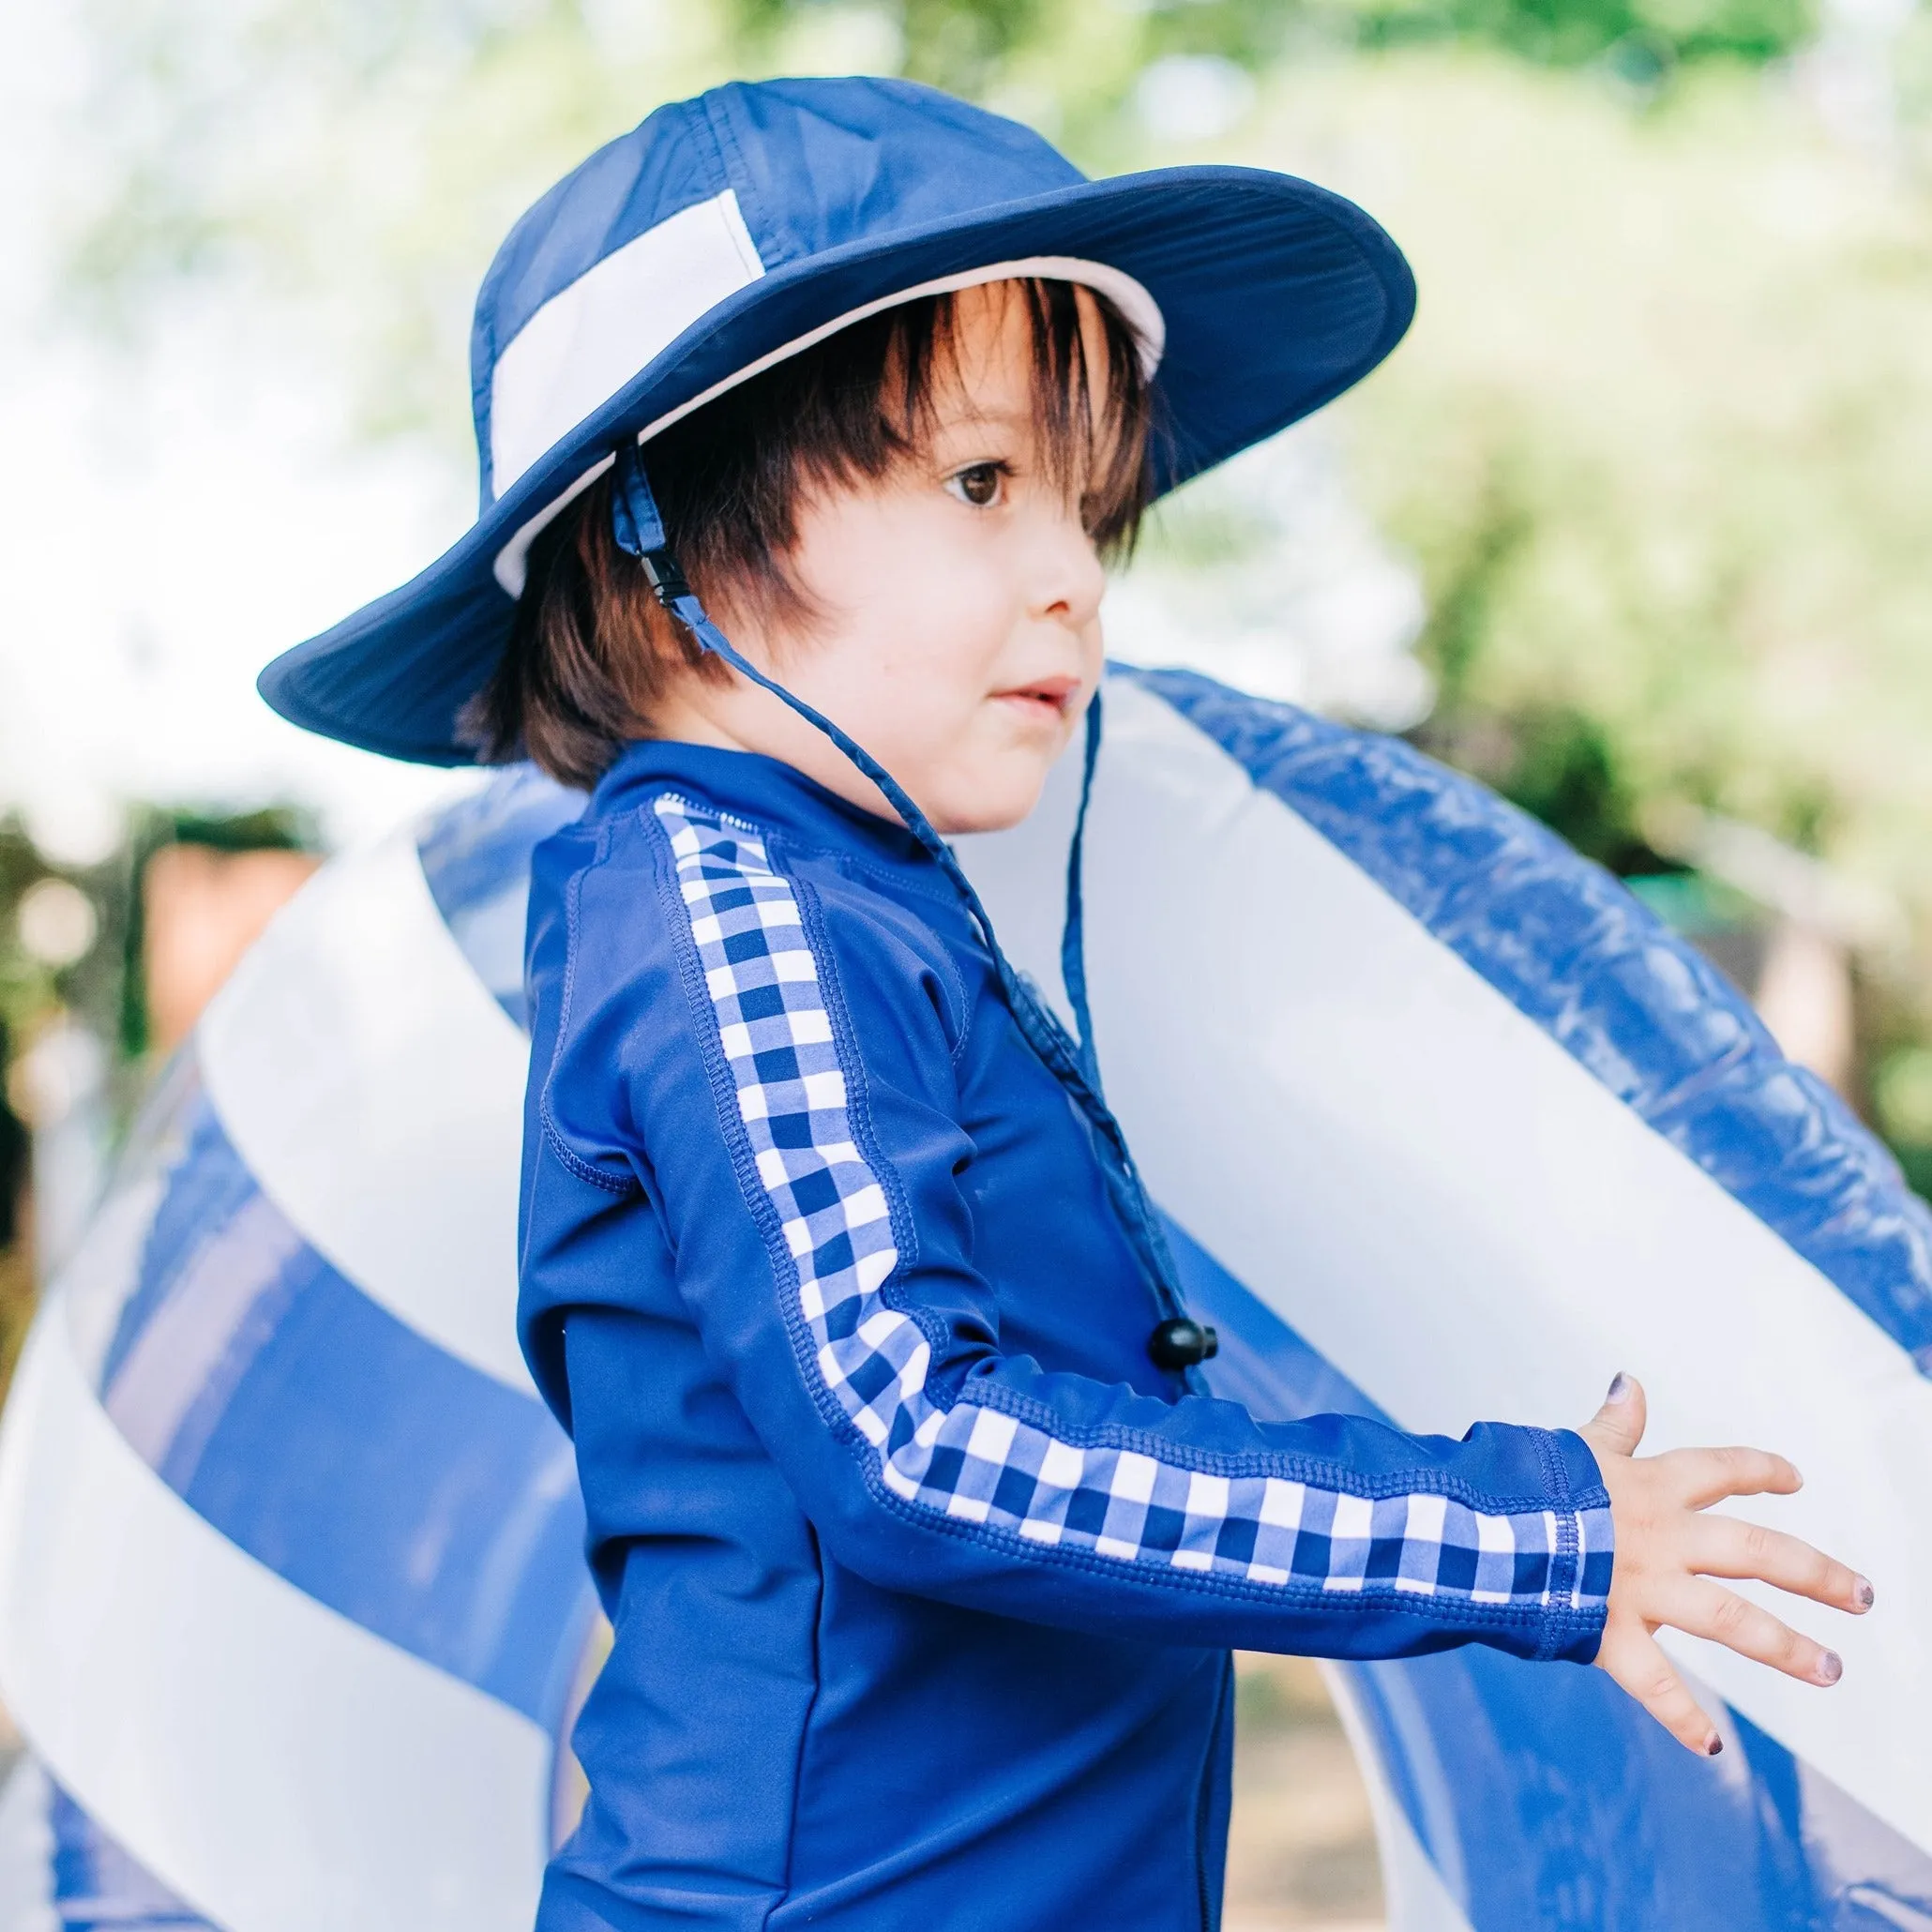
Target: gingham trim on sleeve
<point>977,1465</point>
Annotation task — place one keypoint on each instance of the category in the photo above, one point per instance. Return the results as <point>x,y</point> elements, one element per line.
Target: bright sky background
<point>166,526</point>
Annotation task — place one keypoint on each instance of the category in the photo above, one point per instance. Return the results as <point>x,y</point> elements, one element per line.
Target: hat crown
<point>702,198</point>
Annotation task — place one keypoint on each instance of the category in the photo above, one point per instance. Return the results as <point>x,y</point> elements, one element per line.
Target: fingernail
<point>1620,1388</point>
<point>1861,1593</point>
<point>1831,1668</point>
<point>1712,1744</point>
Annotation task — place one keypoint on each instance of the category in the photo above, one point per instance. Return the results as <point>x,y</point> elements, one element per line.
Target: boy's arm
<point>804,1152</point>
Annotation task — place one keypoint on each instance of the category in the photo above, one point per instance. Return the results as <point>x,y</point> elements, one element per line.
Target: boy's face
<point>958,635</point>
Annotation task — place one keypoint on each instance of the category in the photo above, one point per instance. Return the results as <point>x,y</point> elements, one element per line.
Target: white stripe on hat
<point>1141,313</point>
<point>591,338</point>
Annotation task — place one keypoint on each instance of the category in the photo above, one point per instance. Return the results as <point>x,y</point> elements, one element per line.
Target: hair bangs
<point>590,651</point>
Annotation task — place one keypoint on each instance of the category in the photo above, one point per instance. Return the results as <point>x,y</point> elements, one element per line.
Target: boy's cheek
<point>989,781</point>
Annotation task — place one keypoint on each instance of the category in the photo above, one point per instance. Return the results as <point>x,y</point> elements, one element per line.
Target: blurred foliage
<point>32,994</point>
<point>32,991</point>
<point>1655,443</point>
<point>1641,42</point>
<point>1903,1094</point>
<point>362,158</point>
<point>270,828</point>
<point>100,989</point>
<point>1541,751</point>
<point>17,1300</point>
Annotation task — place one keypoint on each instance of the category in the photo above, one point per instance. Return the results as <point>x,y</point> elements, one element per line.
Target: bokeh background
<point>1635,525</point>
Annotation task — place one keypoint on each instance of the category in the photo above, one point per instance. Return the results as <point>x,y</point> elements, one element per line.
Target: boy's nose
<point>1070,577</point>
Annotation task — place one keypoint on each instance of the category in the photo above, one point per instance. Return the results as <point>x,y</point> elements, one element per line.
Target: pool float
<point>1446,1125</point>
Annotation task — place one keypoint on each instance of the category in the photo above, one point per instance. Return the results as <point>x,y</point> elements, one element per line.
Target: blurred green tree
<point>276,140</point>
<point>42,972</point>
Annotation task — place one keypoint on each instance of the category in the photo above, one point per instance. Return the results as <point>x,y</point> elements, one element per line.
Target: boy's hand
<point>1667,1551</point>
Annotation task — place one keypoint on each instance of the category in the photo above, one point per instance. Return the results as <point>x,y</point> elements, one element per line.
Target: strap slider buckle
<point>667,581</point>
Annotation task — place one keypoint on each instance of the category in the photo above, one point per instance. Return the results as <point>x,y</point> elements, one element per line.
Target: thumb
<point>1617,1425</point>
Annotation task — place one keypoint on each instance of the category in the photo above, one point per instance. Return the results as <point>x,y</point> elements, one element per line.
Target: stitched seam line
<point>724,1093</point>
<point>1563,1564</point>
<point>552,1134</point>
<point>737,177</point>
<point>886,884</point>
<point>610,1183</point>
<point>1294,1593</point>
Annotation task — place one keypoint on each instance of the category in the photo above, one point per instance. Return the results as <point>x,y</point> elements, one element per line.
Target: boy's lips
<point>1044,695</point>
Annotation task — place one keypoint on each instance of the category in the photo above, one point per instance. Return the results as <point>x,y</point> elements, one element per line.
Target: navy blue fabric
<point>828,1704</point>
<point>1652,1019</point>
<point>1277,297</point>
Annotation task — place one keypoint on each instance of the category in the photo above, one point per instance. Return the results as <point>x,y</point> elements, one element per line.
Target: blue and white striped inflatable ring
<point>292,1604</point>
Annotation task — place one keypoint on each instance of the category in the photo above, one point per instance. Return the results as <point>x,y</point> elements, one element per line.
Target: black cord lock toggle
<point>1180,1343</point>
<point>664,577</point>
<point>638,527</point>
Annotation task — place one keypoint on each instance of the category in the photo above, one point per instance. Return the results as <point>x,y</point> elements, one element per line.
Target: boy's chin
<point>993,801</point>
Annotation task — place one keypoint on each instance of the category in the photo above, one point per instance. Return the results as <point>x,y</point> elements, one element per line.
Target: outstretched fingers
<point>1703,1609</point>
<point>1723,1546</point>
<point>1710,1476</point>
<point>1636,1661</point>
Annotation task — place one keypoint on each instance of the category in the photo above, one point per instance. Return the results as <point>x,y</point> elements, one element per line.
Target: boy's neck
<point>676,720</point>
<point>744,719</point>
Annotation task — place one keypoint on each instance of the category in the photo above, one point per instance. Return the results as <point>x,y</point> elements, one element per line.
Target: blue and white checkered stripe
<point>980,1464</point>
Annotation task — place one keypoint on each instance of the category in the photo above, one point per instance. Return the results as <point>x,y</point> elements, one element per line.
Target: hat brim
<point>1276,295</point>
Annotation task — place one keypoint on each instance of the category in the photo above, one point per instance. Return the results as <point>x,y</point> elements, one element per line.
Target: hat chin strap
<point>1178,1343</point>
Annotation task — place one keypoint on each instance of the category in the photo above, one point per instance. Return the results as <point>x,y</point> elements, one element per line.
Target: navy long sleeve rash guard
<point>923,1577</point>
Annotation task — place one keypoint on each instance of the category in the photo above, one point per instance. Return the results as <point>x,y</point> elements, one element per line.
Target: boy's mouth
<point>1046,697</point>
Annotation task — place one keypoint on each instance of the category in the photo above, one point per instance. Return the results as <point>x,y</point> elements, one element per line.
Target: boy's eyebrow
<point>989,418</point>
<point>1022,422</point>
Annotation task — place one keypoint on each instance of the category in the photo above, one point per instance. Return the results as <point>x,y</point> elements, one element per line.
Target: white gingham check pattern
<point>979,1465</point>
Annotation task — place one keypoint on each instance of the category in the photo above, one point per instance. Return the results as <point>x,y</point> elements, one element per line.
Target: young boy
<point>923,1540</point>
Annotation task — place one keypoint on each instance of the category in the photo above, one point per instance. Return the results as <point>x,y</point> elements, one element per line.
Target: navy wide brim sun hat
<point>729,232</point>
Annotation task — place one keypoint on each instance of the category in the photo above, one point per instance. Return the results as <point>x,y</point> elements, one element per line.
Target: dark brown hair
<point>590,651</point>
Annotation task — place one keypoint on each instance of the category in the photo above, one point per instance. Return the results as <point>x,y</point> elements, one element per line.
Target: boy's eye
<point>977,484</point>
